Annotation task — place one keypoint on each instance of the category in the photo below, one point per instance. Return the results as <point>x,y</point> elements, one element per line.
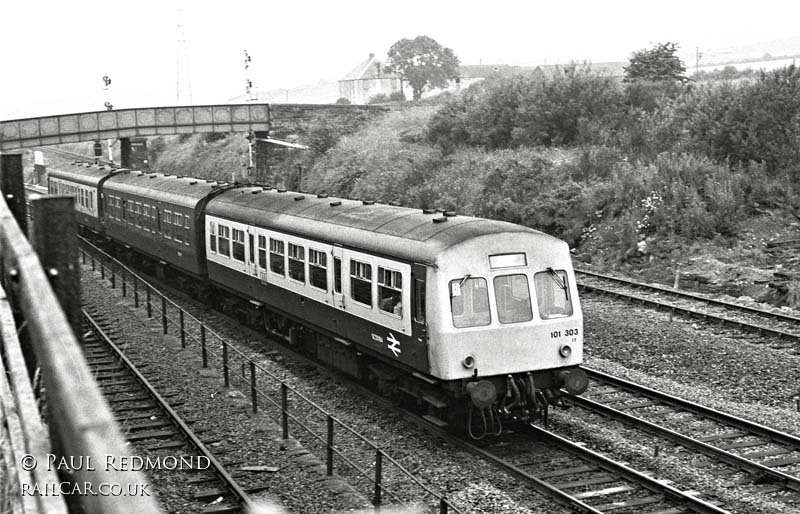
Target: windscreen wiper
<point>557,278</point>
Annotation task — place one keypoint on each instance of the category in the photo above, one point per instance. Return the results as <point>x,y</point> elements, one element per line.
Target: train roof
<point>412,234</point>
<point>83,173</point>
<point>176,190</point>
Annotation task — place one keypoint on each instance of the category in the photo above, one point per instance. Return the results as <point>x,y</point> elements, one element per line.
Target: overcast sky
<point>55,53</point>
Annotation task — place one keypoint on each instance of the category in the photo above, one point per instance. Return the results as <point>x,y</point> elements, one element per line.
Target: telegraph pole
<point>698,55</point>
<point>183,79</point>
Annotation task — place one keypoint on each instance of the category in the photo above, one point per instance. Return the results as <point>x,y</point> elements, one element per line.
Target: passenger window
<point>297,262</point>
<point>262,252</point>
<point>238,245</point>
<point>469,302</point>
<point>361,282</point>
<point>276,257</point>
<point>552,294</point>
<point>390,291</point>
<point>419,301</point>
<point>212,236</point>
<point>513,298</point>
<point>337,275</point>
<point>318,269</point>
<point>224,236</point>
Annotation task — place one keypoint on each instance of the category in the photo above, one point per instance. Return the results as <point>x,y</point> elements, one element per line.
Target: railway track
<point>149,422</point>
<point>758,450</point>
<point>741,317</point>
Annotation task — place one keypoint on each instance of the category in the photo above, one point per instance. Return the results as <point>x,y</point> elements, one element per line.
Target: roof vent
<point>439,210</point>
<point>255,191</point>
<point>322,195</point>
<point>209,180</point>
<point>428,211</point>
<point>298,198</point>
<point>336,203</point>
<point>281,190</point>
<point>153,175</point>
<point>368,202</point>
<point>192,182</point>
<point>394,204</point>
<point>304,192</point>
<point>450,214</point>
<point>439,220</point>
<point>266,188</point>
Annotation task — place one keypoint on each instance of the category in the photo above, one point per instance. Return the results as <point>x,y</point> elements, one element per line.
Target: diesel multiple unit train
<point>473,320</point>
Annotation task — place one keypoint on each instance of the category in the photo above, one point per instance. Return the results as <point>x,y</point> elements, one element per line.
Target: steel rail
<point>719,416</point>
<point>656,486</point>
<point>790,481</point>
<point>219,470</point>
<point>693,314</point>
<point>693,296</point>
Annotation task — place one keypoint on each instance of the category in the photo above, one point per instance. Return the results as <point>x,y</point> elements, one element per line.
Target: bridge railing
<point>45,366</point>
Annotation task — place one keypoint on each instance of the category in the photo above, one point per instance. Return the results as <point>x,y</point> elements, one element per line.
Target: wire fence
<point>347,452</point>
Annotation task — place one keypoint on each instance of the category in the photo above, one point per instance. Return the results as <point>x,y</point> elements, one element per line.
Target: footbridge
<point>124,124</point>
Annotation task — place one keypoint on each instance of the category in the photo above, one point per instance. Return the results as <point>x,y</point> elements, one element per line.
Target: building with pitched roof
<point>366,80</point>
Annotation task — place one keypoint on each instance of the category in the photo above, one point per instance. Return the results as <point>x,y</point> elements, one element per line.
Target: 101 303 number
<point>567,333</point>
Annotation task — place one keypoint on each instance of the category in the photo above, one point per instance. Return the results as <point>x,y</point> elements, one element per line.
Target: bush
<point>397,96</point>
<point>342,101</point>
<point>572,106</point>
<point>380,98</point>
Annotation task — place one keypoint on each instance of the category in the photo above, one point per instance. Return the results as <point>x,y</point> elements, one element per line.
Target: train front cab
<point>506,330</point>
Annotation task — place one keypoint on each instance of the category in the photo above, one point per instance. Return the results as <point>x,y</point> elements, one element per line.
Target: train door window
<point>212,236</point>
<point>277,262</point>
<point>124,208</point>
<point>469,302</point>
<point>167,231</point>
<point>186,230</point>
<point>238,244</point>
<point>262,252</point>
<point>251,242</point>
<point>137,209</point>
<point>419,300</point>
<point>318,269</point>
<point>91,200</point>
<point>297,262</point>
<point>157,217</point>
<point>146,217</point>
<point>177,232</point>
<point>552,294</point>
<point>337,275</point>
<point>224,236</point>
<point>361,282</point>
<point>390,291</point>
<point>513,298</point>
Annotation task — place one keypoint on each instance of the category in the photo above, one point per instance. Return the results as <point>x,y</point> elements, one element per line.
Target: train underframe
<point>476,406</point>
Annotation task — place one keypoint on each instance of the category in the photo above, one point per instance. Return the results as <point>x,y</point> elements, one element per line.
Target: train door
<point>336,286</point>
<point>252,268</point>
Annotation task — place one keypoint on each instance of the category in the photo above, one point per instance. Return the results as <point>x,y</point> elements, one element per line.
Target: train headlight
<point>565,350</point>
<point>468,362</point>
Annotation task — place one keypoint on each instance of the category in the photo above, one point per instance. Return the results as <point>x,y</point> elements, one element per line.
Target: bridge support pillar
<point>53,238</point>
<point>12,186</point>
<point>133,153</point>
<point>261,159</point>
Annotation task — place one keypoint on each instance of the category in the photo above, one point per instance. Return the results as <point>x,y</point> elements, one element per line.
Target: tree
<point>657,64</point>
<point>422,62</point>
